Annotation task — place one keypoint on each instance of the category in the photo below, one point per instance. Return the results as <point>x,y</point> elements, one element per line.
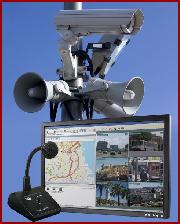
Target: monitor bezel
<point>166,187</point>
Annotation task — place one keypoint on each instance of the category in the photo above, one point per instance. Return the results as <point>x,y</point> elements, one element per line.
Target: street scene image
<point>144,169</point>
<point>112,144</point>
<point>146,143</point>
<point>112,169</point>
<point>112,194</point>
<point>146,196</point>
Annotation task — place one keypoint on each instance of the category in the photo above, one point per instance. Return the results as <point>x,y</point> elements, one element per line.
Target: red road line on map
<point>77,161</point>
<point>69,174</point>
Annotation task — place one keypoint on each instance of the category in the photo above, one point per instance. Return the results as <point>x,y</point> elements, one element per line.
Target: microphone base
<point>35,204</point>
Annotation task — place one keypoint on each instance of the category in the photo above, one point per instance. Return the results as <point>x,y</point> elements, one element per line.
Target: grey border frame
<point>166,186</point>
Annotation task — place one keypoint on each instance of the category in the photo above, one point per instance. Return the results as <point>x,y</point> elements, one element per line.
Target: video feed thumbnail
<point>112,194</point>
<point>144,169</point>
<point>112,169</point>
<point>146,143</point>
<point>145,196</point>
<point>112,144</point>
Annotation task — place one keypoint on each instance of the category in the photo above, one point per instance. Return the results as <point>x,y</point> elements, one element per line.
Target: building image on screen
<point>146,143</point>
<point>108,166</point>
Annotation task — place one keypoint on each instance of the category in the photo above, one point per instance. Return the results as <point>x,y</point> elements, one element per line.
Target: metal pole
<point>73,109</point>
<point>72,5</point>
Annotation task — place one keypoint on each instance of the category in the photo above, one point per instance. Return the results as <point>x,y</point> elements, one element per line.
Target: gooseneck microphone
<point>49,151</point>
<point>35,203</point>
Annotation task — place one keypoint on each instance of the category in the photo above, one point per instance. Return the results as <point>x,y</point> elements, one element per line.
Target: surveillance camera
<point>84,22</point>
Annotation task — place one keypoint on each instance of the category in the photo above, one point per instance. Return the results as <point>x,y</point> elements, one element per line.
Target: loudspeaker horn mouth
<point>23,85</point>
<point>136,85</point>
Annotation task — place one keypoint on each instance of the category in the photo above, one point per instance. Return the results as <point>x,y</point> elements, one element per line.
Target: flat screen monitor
<point>110,166</point>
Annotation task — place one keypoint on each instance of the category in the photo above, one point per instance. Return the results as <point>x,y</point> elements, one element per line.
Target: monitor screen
<point>110,166</point>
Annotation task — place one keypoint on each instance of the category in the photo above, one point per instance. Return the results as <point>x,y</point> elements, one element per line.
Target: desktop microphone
<point>49,151</point>
<point>35,203</point>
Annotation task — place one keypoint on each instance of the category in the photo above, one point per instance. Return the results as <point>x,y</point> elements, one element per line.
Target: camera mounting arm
<point>104,59</point>
<point>70,61</point>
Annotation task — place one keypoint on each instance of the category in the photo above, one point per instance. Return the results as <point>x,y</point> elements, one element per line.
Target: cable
<point>53,110</point>
<point>91,108</point>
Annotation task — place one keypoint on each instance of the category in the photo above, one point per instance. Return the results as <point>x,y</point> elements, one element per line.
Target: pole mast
<point>73,109</point>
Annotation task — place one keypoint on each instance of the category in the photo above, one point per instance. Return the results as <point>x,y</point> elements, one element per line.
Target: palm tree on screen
<point>119,191</point>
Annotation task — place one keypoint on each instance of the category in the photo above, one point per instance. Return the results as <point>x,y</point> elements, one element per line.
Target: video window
<point>145,196</point>
<point>146,143</point>
<point>112,144</point>
<point>112,194</point>
<point>145,169</point>
<point>113,169</point>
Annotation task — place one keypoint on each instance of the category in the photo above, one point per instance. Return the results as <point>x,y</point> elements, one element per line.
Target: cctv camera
<point>84,22</point>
